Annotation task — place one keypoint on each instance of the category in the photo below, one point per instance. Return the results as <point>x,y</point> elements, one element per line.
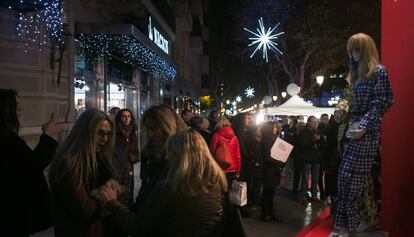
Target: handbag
<point>238,193</point>
<point>352,130</point>
<point>222,155</point>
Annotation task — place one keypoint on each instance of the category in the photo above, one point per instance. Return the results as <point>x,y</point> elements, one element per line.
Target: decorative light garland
<point>127,49</point>
<point>39,22</point>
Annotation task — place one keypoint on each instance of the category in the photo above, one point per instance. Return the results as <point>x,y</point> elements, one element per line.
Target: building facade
<point>127,54</point>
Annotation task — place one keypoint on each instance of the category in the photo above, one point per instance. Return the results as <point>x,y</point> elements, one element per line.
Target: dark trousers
<point>267,202</point>
<point>230,177</point>
<point>254,187</point>
<point>321,182</point>
<point>330,183</point>
<point>298,167</point>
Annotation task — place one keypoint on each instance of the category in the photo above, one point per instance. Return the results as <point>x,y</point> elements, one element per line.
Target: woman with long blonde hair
<point>189,202</point>
<point>80,166</point>
<point>371,98</point>
<point>193,170</point>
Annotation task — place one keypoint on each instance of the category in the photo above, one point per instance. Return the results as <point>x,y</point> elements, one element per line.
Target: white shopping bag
<point>238,193</point>
<point>281,150</point>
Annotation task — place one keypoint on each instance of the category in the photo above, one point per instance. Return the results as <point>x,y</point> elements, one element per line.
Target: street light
<point>284,95</point>
<point>319,80</point>
<point>274,98</point>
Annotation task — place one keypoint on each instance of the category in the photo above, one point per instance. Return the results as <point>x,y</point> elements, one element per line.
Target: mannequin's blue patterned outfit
<point>371,99</point>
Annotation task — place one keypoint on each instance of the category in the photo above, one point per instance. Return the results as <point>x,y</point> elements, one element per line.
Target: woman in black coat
<point>126,154</point>
<point>26,208</point>
<point>272,170</point>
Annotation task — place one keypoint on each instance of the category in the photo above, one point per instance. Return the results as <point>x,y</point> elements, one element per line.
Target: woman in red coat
<point>224,133</point>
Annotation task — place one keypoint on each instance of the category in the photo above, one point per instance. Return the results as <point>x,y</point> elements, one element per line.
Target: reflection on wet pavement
<point>294,215</point>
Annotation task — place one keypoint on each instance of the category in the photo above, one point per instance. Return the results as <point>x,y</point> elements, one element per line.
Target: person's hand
<point>109,192</point>
<point>358,135</point>
<point>317,137</point>
<point>49,128</point>
<point>237,175</point>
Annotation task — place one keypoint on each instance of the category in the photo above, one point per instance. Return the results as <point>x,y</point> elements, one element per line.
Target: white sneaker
<point>335,233</point>
<point>339,232</point>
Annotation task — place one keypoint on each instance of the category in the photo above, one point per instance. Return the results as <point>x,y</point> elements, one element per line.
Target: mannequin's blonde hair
<point>368,57</point>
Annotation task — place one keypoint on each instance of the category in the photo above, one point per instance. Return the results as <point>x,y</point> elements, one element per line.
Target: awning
<point>127,43</point>
<point>297,106</point>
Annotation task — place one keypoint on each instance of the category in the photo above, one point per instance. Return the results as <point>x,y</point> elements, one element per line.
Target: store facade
<point>89,60</point>
<point>118,66</point>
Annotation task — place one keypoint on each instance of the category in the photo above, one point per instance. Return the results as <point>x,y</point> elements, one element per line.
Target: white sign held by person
<point>281,150</point>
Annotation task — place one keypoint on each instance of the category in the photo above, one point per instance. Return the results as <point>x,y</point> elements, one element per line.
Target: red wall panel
<point>398,124</point>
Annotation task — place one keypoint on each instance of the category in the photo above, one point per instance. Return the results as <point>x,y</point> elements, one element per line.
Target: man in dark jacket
<point>309,154</point>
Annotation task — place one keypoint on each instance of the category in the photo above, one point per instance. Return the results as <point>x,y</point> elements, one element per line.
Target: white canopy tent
<point>297,106</point>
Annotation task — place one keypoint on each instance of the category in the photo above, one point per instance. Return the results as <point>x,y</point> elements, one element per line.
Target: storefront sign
<point>157,37</point>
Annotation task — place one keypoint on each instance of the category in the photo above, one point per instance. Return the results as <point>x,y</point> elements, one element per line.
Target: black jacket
<point>26,201</point>
<point>271,168</point>
<point>246,143</point>
<point>170,213</point>
<point>308,150</point>
<point>153,169</point>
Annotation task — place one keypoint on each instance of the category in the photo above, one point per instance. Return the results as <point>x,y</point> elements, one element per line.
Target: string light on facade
<point>38,21</point>
<point>249,92</point>
<point>264,39</point>
<point>127,49</point>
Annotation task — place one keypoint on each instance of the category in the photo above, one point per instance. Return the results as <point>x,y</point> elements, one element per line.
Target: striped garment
<point>371,99</point>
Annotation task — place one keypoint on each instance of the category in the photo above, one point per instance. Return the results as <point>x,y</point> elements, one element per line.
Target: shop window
<point>85,95</point>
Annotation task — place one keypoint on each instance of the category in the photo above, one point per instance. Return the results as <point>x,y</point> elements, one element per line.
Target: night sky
<point>304,29</point>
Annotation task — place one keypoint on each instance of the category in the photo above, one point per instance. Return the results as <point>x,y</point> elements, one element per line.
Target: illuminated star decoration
<point>238,99</point>
<point>264,39</point>
<point>249,92</point>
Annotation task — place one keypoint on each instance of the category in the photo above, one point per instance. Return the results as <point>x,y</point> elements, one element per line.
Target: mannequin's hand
<point>360,134</point>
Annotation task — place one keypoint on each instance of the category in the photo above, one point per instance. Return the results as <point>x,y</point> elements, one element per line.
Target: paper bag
<point>281,150</point>
<point>238,193</point>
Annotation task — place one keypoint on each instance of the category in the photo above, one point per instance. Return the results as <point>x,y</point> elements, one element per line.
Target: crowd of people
<point>188,164</point>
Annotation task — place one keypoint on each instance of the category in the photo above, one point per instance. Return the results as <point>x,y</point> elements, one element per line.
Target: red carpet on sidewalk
<point>321,226</point>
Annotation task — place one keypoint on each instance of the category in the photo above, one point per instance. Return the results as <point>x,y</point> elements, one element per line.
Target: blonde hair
<point>368,58</point>
<point>78,152</point>
<point>167,121</point>
<point>193,171</point>
<point>222,122</point>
